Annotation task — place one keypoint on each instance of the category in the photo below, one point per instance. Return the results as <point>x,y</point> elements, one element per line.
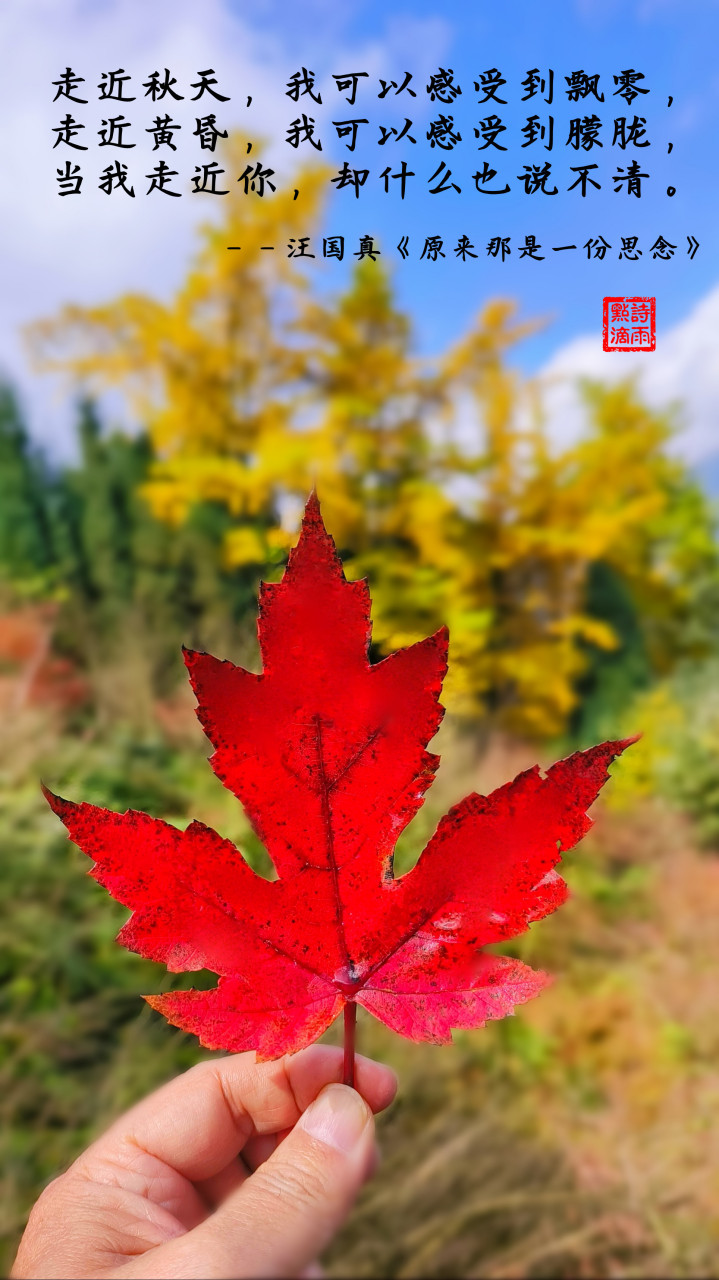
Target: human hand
<point>232,1170</point>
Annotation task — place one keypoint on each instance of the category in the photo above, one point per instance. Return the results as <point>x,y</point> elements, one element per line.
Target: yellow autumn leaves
<point>438,478</point>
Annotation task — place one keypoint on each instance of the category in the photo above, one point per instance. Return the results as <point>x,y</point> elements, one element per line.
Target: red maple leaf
<point>327,753</point>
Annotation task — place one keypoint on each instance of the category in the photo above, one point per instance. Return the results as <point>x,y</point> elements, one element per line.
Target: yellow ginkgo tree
<point>438,477</point>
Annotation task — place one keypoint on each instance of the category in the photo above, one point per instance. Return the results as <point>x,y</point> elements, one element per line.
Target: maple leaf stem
<point>350,1026</point>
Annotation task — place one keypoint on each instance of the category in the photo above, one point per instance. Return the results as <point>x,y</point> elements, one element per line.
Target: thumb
<point>285,1214</point>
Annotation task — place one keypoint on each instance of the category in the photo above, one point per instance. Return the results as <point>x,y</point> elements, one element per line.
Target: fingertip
<point>338,1117</point>
<point>320,1064</point>
<point>376,1081</point>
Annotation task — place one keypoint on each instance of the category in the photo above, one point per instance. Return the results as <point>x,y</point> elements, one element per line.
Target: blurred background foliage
<point>581,587</point>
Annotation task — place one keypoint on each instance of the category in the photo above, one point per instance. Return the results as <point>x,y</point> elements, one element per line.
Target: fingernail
<point>338,1116</point>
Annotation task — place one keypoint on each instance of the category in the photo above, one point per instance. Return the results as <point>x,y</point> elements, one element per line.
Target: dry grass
<point>587,1146</point>
<point>578,1139</point>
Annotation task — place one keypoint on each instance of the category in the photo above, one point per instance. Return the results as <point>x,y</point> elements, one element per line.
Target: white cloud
<point>88,248</point>
<point>683,370</point>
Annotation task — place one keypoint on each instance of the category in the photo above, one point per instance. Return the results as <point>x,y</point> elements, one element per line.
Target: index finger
<point>199,1122</point>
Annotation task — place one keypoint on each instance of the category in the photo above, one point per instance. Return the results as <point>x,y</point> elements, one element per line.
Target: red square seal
<point>630,324</point>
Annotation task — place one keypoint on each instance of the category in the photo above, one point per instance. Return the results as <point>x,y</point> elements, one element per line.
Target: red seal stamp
<point>630,324</point>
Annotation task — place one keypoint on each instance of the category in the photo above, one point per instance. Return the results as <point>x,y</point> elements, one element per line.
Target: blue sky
<point>673,44</point>
<point>89,249</point>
